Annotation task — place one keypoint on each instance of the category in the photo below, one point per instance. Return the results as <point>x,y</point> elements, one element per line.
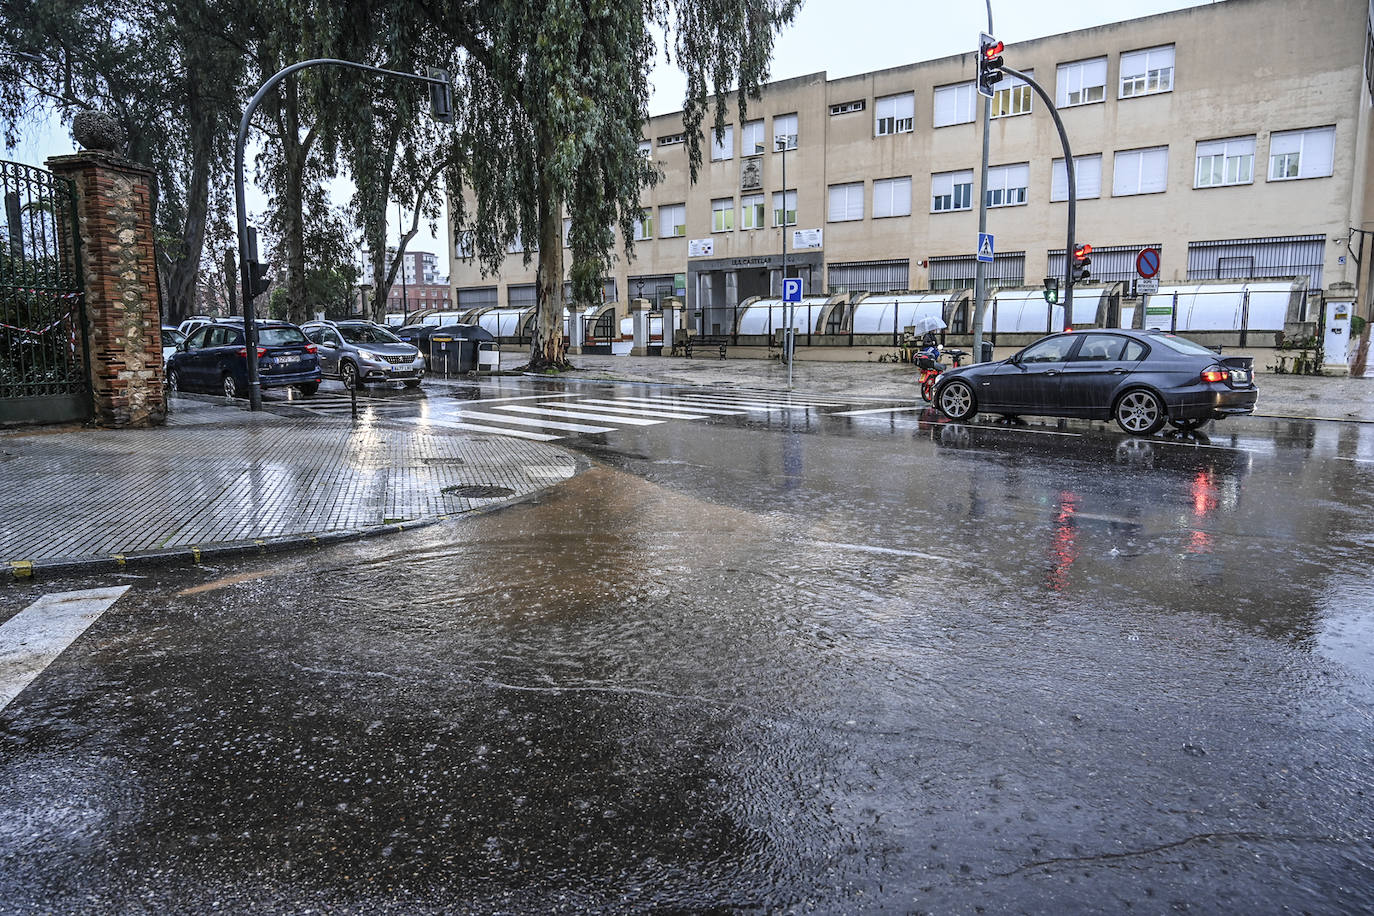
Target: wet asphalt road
<point>793,661</point>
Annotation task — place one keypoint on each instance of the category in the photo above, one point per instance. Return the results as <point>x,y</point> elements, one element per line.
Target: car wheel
<point>957,401</point>
<point>1139,412</point>
<point>231,386</point>
<point>412,383</point>
<point>349,374</point>
<point>1188,426</point>
<point>309,388</point>
<point>174,380</point>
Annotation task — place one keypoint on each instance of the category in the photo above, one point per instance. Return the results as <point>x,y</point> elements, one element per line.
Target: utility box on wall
<point>1336,336</point>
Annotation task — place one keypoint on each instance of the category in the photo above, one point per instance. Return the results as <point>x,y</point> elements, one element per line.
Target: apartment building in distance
<point>1233,137</point>
<point>418,286</point>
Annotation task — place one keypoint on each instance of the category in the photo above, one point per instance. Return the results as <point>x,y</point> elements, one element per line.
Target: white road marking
<point>527,397</point>
<point>477,428</point>
<point>662,404</point>
<point>525,421</point>
<point>860,413</point>
<point>569,410</point>
<point>33,639</point>
<point>748,404</point>
<point>630,411</point>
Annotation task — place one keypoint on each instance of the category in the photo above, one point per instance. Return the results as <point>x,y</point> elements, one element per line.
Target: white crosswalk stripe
<point>441,423</point>
<point>666,404</point>
<point>568,411</point>
<point>33,639</point>
<point>526,421</point>
<point>604,407</point>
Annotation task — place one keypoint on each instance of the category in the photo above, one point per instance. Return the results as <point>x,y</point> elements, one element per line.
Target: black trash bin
<point>453,348</point>
<point>986,355</point>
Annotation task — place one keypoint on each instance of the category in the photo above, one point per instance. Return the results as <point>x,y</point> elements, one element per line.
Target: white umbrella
<point>927,323</point>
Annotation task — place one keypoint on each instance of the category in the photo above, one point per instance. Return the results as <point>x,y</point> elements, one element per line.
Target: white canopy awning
<point>764,316</point>
<point>892,314</point>
<point>1024,312</point>
<point>503,322</point>
<point>1217,307</point>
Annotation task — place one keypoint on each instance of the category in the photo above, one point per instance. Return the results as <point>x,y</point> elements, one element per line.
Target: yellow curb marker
<point>22,569</point>
<point>195,554</point>
<point>119,559</point>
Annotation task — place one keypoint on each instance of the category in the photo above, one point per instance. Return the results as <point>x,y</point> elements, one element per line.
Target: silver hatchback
<point>361,352</point>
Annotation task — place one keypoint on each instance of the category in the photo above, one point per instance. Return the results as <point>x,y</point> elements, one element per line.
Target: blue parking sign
<point>792,289</point>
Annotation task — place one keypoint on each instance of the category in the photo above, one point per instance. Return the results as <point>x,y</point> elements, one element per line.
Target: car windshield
<point>366,334</point>
<point>280,337</point>
<point>172,337</point>
<point>1183,345</point>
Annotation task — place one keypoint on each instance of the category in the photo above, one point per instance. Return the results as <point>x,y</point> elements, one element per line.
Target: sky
<point>840,37</point>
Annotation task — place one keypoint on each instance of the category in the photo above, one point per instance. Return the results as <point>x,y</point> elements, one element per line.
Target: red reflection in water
<point>1204,494</point>
<point>1201,542</point>
<point>1064,547</point>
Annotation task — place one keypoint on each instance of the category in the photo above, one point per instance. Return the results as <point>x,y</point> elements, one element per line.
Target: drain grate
<point>476,491</point>
<point>435,461</point>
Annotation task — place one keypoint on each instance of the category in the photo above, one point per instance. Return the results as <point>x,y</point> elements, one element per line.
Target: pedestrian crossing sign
<point>985,247</point>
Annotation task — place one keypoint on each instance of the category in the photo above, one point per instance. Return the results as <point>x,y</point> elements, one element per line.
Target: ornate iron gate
<point>42,323</point>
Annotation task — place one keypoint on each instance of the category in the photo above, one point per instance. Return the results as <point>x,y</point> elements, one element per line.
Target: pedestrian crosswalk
<point>557,415</point>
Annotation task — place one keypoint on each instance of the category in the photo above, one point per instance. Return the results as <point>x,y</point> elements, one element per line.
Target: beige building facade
<point>1233,137</point>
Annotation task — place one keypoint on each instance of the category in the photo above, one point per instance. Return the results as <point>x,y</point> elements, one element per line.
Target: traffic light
<point>989,63</point>
<point>1052,290</point>
<point>1081,261</point>
<point>258,281</point>
<point>440,95</point>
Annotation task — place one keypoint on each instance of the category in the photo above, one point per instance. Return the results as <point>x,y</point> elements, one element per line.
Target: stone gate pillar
<point>123,302</point>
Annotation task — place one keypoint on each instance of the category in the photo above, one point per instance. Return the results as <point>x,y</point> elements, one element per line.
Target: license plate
<point>285,360</point>
<point>1240,375</point>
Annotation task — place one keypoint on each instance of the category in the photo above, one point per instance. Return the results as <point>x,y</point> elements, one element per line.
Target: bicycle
<point>931,371</point>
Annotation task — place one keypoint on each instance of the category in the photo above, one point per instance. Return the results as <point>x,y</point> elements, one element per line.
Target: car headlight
<point>368,354</point>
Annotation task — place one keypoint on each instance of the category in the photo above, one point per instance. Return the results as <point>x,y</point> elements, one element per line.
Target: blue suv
<point>215,358</point>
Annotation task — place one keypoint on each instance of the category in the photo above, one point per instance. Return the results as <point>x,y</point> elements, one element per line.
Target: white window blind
<point>1087,177</point>
<point>646,148</point>
<point>1148,71</point>
<point>955,104</point>
<point>1223,162</point>
<point>1140,171</point>
<point>1082,82</point>
<point>846,202</point>
<point>779,202</point>
<point>751,211</point>
<point>673,218</point>
<point>1302,153</point>
<point>644,225</point>
<point>1007,185</point>
<point>894,114</point>
<point>724,148</point>
<point>723,214</point>
<point>785,131</point>
<point>951,191</point>
<point>892,197</point>
<point>751,138</point>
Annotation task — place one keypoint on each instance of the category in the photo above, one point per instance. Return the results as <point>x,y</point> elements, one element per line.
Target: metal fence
<point>1006,269</point>
<point>869,276</point>
<point>1247,259</point>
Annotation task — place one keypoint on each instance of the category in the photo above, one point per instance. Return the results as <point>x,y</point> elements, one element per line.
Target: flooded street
<point>803,663</point>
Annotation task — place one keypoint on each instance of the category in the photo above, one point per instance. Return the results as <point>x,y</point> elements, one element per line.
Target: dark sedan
<point>1141,379</point>
<point>215,358</point>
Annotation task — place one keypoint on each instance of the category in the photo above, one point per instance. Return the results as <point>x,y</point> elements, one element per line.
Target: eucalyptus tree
<point>169,71</point>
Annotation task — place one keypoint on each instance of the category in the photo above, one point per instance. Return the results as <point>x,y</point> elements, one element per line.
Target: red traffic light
<point>994,50</point>
<point>1082,251</point>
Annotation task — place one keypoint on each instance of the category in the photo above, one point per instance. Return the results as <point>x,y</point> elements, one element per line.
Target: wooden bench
<point>703,341</point>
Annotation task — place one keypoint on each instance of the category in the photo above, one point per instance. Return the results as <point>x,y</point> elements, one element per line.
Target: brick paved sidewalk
<point>218,475</point>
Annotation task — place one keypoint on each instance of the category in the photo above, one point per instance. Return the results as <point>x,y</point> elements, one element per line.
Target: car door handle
<point>1118,371</point>
<point>1051,372</point>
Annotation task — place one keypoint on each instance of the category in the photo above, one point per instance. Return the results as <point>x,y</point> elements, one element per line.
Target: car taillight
<point>262,351</point>
<point>1215,374</point>
<point>311,348</point>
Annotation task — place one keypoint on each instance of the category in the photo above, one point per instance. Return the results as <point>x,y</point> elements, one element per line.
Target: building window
<point>723,214</point>
<point>751,137</point>
<point>894,114</point>
<point>515,245</point>
<point>1223,162</point>
<point>1140,171</point>
<point>673,218</point>
<point>1087,178</point>
<point>644,225</point>
<point>724,148</point>
<point>1302,153</point>
<point>785,131</point>
<point>1111,264</point>
<point>672,139</point>
<point>567,230</point>
<point>1007,185</point>
<point>646,148</point>
<point>846,202</point>
<point>1249,259</point>
<point>474,297</point>
<point>847,107</point>
<point>891,197</point>
<point>1011,96</point>
<point>958,272</point>
<point>1147,72</point>
<point>951,191</point>
<point>463,245</point>
<point>779,202</point>
<point>1082,82</point>
<point>867,276</point>
<point>751,211</point>
<point>521,296</point>
<point>955,104</point>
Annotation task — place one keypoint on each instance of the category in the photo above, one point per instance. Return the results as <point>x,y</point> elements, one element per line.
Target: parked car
<point>215,358</point>
<point>360,352</point>
<point>1139,378</point>
<point>193,322</point>
<point>171,337</point>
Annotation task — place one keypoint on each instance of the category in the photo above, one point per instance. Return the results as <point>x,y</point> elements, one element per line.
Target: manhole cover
<point>433,461</point>
<point>476,491</point>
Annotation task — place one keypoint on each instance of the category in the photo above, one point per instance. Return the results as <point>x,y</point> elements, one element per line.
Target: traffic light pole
<point>250,326</point>
<point>980,293</point>
<point>1073,201</point>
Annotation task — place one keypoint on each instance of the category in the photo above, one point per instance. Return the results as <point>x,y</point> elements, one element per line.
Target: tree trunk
<point>294,152</point>
<point>546,341</point>
<point>185,269</point>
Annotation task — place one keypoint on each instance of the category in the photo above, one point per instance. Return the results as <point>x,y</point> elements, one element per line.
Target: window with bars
<point>869,276</point>
<point>476,297</point>
<point>1111,263</point>
<point>958,272</point>
<point>1252,259</point>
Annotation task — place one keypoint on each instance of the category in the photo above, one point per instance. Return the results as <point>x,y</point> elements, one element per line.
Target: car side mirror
<point>183,347</point>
